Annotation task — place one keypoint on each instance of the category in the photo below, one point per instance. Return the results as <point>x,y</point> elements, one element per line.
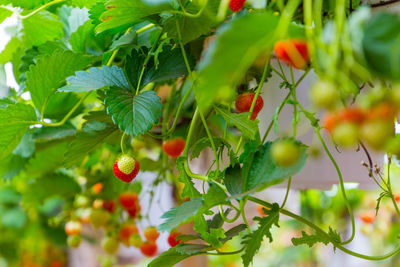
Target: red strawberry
<point>151,234</point>
<point>133,211</point>
<point>172,241</point>
<point>330,121</point>
<point>293,52</point>
<point>148,249</point>
<point>174,147</point>
<point>97,188</point>
<point>352,114</point>
<point>128,200</point>
<point>243,104</point>
<point>109,205</point>
<point>126,231</point>
<point>126,168</point>
<point>236,5</point>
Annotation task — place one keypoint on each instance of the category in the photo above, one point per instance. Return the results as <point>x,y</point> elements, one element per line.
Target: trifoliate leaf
<point>134,114</point>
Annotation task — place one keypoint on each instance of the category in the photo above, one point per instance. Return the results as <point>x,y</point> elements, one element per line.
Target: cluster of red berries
<point>375,126</point>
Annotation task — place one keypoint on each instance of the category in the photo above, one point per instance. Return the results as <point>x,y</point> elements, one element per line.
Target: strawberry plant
<point>109,90</point>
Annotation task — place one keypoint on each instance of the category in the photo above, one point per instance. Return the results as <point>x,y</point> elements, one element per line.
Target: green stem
<point>146,61</point>
<point>225,253</point>
<point>389,187</point>
<point>287,192</point>
<point>190,132</point>
<point>341,183</point>
<point>201,177</point>
<point>211,139</point>
<point>40,9</point>
<point>221,212</point>
<point>122,143</point>
<point>242,205</point>
<point>178,29</point>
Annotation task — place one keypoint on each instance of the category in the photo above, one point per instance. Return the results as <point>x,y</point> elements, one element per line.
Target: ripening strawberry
<point>148,249</point>
<point>352,114</point>
<point>174,147</point>
<point>126,231</point>
<point>133,211</point>
<point>397,197</point>
<point>385,111</point>
<point>243,104</point>
<point>151,234</point>
<point>330,121</point>
<point>293,52</point>
<point>56,263</point>
<point>97,188</point>
<point>128,199</point>
<point>236,5</point>
<point>367,217</point>
<point>126,168</point>
<point>109,205</point>
<point>73,228</point>
<point>172,241</point>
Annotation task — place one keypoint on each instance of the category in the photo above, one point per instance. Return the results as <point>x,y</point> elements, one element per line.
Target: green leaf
<point>126,39</point>
<point>309,240</point>
<point>4,13</point>
<point>264,229</point>
<point>381,45</point>
<point>14,218</point>
<point>61,104</point>
<point>49,186</point>
<point>96,78</point>
<point>11,166</point>
<point>203,143</point>
<point>191,249</point>
<point>192,28</point>
<point>168,259</point>
<point>246,126</point>
<point>45,134</point>
<point>127,12</point>
<point>12,46</point>
<point>233,180</point>
<point>188,190</point>
<point>42,27</point>
<point>8,195</point>
<point>231,54</point>
<point>94,133</point>
<point>50,72</point>
<point>134,114</point>
<point>180,214</point>
<point>260,171</point>
<point>26,147</point>
<point>80,38</point>
<point>47,160</point>
<point>13,127</point>
<point>231,233</point>
<point>171,65</point>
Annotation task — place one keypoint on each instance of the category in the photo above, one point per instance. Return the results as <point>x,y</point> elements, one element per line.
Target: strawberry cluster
<point>374,126</point>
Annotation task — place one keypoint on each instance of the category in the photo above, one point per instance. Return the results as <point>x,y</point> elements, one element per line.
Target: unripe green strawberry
<point>110,245</point>
<point>285,152</point>
<point>346,135</point>
<point>377,132</point>
<point>126,168</point>
<point>393,146</point>
<point>136,240</point>
<point>137,144</point>
<point>99,217</point>
<point>324,94</point>
<point>74,241</point>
